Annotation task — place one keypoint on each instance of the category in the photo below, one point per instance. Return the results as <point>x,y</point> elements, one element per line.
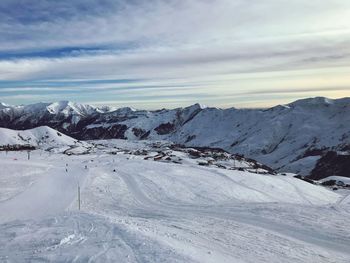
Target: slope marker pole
<point>78,197</point>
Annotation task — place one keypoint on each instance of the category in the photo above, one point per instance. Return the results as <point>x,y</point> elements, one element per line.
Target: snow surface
<point>148,211</point>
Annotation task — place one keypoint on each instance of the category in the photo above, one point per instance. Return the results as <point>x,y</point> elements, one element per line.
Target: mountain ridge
<point>107,108</point>
<point>292,137</point>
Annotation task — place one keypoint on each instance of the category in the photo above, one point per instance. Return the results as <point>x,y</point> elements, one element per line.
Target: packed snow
<point>141,210</point>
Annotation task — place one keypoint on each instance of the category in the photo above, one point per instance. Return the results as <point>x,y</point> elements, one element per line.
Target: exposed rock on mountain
<point>332,163</point>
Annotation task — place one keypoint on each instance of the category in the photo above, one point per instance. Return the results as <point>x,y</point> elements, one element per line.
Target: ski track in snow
<point>156,212</point>
<point>233,215</point>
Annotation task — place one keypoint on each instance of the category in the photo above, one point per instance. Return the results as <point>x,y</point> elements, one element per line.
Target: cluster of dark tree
<point>335,183</point>
<point>330,183</point>
<point>16,147</point>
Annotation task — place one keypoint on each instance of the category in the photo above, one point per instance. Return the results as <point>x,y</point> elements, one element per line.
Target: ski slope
<point>149,211</point>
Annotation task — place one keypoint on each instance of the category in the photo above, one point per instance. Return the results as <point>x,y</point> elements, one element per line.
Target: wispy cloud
<point>85,48</point>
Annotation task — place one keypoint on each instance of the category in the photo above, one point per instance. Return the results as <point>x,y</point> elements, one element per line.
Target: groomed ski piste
<point>137,210</point>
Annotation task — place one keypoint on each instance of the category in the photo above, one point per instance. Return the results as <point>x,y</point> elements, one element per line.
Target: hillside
<point>40,137</point>
<point>290,137</point>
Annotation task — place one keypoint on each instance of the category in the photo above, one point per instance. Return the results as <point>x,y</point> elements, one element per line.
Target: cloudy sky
<point>167,53</point>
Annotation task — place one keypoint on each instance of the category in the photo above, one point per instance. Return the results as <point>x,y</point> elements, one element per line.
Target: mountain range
<point>297,137</point>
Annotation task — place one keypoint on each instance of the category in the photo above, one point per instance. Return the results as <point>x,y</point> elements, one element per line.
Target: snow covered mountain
<point>62,115</point>
<point>292,137</point>
<point>41,137</point>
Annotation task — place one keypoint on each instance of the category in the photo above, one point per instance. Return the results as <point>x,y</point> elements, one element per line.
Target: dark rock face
<point>313,152</point>
<point>114,132</point>
<point>190,138</point>
<point>145,135</point>
<point>329,183</point>
<point>330,164</point>
<point>138,132</point>
<point>165,128</point>
<point>141,133</point>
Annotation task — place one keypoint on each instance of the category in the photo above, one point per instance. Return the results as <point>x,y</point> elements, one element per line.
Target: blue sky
<point>169,53</point>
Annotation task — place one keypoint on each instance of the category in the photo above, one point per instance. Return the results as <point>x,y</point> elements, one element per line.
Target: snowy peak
<point>37,137</point>
<point>317,102</point>
<point>188,113</point>
<point>196,106</point>
<point>66,108</point>
<point>193,108</point>
<point>57,107</point>
<point>123,111</point>
<point>3,106</point>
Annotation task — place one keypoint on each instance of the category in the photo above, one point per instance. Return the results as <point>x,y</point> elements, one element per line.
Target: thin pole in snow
<point>78,197</point>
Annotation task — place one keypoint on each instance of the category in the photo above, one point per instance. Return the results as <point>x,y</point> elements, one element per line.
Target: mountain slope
<point>37,137</point>
<point>290,137</point>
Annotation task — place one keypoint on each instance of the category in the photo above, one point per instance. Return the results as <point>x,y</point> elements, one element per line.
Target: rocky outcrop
<point>116,131</point>
<point>165,128</point>
<point>332,163</point>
